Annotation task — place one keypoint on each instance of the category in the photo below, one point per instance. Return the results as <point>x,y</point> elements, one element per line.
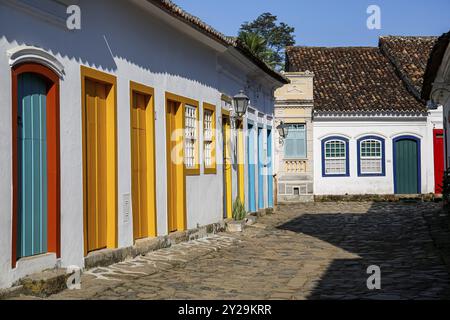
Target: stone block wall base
<point>376,198</point>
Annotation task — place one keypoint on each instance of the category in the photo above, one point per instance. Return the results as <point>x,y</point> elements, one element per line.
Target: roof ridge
<point>195,22</point>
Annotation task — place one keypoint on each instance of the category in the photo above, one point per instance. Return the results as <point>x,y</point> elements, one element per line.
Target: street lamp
<point>241,102</point>
<point>283,130</point>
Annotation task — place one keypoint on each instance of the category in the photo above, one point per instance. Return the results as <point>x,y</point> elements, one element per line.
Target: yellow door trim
<point>241,162</point>
<point>150,155</point>
<point>227,164</point>
<point>111,119</point>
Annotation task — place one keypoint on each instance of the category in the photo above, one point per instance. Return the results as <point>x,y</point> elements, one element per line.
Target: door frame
<point>436,155</point>
<point>269,134</point>
<point>261,167</point>
<point>419,157</point>
<point>112,219</point>
<point>251,173</point>
<point>53,156</point>
<point>151,153</point>
<point>181,101</point>
<point>227,178</point>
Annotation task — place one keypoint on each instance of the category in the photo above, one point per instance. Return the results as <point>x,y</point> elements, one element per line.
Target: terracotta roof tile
<point>354,79</point>
<point>410,56</point>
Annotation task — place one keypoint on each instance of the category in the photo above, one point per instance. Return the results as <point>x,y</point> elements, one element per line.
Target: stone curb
<point>108,257</point>
<point>11,292</point>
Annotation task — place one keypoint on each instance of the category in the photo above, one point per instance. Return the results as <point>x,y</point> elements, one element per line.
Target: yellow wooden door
<point>227,166</point>
<point>96,171</point>
<point>143,177</point>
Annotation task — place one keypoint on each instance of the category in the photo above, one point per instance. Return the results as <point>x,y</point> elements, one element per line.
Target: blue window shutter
<point>295,143</point>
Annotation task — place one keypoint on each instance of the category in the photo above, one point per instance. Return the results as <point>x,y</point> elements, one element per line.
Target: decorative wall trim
<point>29,54</point>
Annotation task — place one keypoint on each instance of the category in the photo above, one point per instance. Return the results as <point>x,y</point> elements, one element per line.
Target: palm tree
<point>257,45</point>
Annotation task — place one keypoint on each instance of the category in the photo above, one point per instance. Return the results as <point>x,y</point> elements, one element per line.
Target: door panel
<point>407,166</point>
<point>439,166</point>
<point>251,169</point>
<point>269,169</point>
<point>176,199</point>
<point>142,191</point>
<point>96,160</point>
<point>32,168</point>
<point>227,167</point>
<point>260,169</point>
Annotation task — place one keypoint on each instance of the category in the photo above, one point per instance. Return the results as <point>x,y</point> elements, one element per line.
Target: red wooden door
<point>438,135</point>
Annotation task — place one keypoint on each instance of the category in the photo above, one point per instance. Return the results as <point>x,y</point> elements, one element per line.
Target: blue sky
<point>328,22</point>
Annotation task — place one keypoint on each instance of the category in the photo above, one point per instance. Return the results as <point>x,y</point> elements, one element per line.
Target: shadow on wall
<point>390,236</point>
<point>105,39</point>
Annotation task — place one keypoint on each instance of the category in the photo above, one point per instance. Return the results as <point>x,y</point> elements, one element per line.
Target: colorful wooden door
<point>175,167</point>
<point>261,166</point>
<point>407,166</point>
<point>96,159</point>
<point>142,163</point>
<point>227,168</point>
<point>439,166</point>
<point>251,168</point>
<point>269,169</point>
<point>32,168</point>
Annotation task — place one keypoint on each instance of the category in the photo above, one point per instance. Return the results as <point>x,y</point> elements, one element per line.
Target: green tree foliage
<point>277,37</point>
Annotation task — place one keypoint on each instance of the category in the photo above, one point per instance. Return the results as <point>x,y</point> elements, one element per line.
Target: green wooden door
<point>407,166</point>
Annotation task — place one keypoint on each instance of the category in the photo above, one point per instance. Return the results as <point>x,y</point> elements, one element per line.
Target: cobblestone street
<point>307,251</point>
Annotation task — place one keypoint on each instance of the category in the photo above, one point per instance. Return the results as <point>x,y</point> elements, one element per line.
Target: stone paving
<point>305,251</point>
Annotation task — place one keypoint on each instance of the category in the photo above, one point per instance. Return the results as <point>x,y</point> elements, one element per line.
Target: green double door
<point>407,165</point>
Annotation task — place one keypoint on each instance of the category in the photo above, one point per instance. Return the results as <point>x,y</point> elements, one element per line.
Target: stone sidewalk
<point>305,251</point>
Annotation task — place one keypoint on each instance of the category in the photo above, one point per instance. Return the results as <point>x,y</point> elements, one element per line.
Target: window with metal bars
<point>335,157</point>
<point>208,137</point>
<point>371,156</point>
<point>190,136</point>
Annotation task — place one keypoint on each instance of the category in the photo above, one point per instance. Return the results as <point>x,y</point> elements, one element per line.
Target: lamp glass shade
<point>241,102</point>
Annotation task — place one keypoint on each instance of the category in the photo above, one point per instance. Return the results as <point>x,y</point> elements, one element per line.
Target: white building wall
<point>353,130</point>
<point>145,50</point>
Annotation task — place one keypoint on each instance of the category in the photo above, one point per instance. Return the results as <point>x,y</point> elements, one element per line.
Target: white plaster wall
<point>145,50</point>
<point>353,130</point>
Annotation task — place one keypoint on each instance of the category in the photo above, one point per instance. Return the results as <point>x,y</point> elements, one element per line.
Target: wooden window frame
<point>382,157</point>
<point>346,143</point>
<point>213,168</point>
<point>195,171</point>
<point>285,156</point>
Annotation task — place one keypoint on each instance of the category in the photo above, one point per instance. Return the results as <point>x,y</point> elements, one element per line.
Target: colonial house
<point>371,131</point>
<point>123,129</point>
<point>436,87</point>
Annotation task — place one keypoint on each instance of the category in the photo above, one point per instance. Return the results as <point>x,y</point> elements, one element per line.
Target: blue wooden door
<point>261,161</point>
<point>32,158</point>
<point>251,169</point>
<point>269,169</point>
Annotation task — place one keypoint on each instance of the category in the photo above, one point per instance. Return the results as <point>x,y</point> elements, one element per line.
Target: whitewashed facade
<point>131,41</point>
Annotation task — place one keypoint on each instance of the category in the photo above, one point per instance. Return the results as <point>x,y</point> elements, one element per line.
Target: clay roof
<point>354,79</point>
<point>434,63</point>
<point>196,23</point>
<point>410,57</point>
